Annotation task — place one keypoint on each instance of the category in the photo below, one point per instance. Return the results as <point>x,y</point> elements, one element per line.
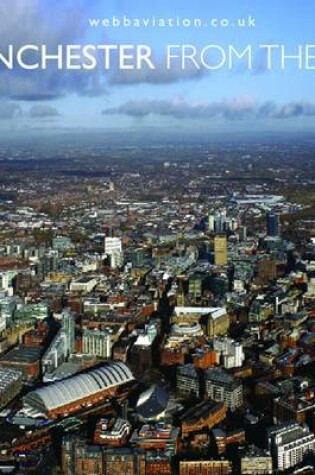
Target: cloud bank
<point>44,22</point>
<point>241,108</point>
<point>12,110</point>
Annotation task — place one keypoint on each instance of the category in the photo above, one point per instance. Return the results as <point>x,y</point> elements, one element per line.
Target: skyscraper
<point>220,251</point>
<point>273,224</point>
<point>211,222</point>
<point>68,325</point>
<point>113,248</point>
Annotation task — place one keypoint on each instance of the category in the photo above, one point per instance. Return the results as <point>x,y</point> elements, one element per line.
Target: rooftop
<point>7,377</point>
<point>215,312</point>
<point>22,354</point>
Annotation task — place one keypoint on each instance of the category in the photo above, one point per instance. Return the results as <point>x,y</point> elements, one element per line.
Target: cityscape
<point>157,307</point>
<point>157,237</point>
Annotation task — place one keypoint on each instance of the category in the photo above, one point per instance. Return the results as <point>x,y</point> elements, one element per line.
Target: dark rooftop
<point>22,354</point>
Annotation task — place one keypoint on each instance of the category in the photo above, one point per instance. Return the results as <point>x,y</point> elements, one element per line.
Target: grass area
<point>303,197</point>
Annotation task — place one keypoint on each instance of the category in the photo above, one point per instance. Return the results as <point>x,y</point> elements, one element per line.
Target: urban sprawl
<point>157,309</point>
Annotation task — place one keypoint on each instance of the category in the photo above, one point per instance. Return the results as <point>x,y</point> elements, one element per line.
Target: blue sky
<point>221,100</point>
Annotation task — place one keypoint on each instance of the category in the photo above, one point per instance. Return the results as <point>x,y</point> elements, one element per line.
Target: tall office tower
<point>68,326</point>
<point>113,248</point>
<point>111,186</point>
<point>273,224</point>
<point>218,224</point>
<point>7,308</point>
<point>220,251</point>
<point>211,222</point>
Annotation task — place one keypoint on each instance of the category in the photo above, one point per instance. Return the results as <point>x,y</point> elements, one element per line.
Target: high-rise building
<point>62,345</point>
<point>211,222</point>
<point>273,224</point>
<point>289,443</point>
<point>48,263</point>
<point>6,281</point>
<point>111,186</point>
<point>7,308</point>
<point>220,251</point>
<point>220,221</point>
<point>56,354</point>
<point>68,325</point>
<point>113,249</point>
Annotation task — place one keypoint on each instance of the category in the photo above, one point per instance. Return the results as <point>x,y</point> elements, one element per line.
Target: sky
<point>187,99</point>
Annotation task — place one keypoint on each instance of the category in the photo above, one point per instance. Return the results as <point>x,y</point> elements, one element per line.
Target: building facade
<point>221,387</point>
<point>187,381</point>
<point>97,342</point>
<point>256,462</point>
<point>205,467</point>
<point>113,249</point>
<point>220,251</point>
<point>229,352</point>
<point>289,443</point>
<point>10,385</point>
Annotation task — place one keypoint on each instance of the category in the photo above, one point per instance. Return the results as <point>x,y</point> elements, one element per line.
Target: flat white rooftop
<point>216,312</point>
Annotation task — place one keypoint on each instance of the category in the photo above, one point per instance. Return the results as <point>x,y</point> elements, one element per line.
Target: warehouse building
<point>24,359</point>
